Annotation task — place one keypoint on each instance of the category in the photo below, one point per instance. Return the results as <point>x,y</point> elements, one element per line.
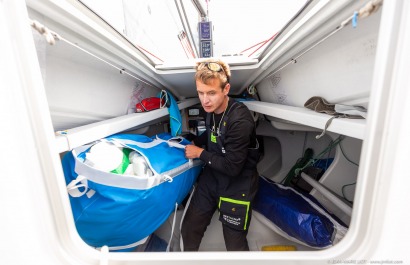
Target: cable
<point>139,47</point>
<point>343,193</point>
<point>341,149</point>
<point>263,43</point>
<point>312,161</point>
<point>346,185</point>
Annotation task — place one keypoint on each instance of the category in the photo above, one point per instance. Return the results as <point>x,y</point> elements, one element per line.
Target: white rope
<point>51,38</point>
<point>163,95</point>
<point>132,245</point>
<point>167,178</point>
<point>251,90</point>
<point>73,188</point>
<point>326,126</point>
<point>172,229</point>
<point>181,240</point>
<point>370,8</point>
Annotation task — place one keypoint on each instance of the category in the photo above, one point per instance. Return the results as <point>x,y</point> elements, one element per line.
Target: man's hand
<point>193,151</point>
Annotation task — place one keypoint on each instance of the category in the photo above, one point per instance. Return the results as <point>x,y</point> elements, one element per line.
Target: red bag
<point>148,104</point>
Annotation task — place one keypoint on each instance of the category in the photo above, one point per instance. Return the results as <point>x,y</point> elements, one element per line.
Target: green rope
<point>318,157</point>
<point>308,160</point>
<point>300,163</point>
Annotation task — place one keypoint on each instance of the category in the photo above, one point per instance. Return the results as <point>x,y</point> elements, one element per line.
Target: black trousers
<point>199,215</point>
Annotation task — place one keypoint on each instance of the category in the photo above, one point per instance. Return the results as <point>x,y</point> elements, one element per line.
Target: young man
<point>229,179</point>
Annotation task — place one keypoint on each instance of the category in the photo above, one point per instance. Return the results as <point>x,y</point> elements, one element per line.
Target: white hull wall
<point>340,69</point>
<point>82,89</point>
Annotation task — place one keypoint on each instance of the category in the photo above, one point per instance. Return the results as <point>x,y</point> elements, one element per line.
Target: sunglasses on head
<point>214,67</point>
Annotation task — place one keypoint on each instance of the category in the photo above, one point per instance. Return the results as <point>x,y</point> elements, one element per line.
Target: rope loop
<point>163,97</point>
<point>167,178</point>
<point>252,90</point>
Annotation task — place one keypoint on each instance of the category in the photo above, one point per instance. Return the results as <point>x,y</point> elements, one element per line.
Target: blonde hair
<point>205,75</point>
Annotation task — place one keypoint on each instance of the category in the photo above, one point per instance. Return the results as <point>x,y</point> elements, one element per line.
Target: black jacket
<point>232,160</point>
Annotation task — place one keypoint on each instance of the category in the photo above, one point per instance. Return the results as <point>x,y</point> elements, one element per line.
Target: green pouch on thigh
<point>234,213</point>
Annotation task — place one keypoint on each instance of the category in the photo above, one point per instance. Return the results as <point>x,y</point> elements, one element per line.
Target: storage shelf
<point>78,136</point>
<point>350,127</point>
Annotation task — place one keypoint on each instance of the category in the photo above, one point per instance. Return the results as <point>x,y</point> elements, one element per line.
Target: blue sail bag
<point>298,217</point>
<point>119,210</point>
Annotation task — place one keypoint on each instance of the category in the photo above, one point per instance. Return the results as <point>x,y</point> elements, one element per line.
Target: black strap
<point>225,121</point>
<point>208,116</point>
<point>234,105</point>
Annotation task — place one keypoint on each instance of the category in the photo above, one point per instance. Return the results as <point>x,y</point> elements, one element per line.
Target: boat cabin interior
<point>307,70</point>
